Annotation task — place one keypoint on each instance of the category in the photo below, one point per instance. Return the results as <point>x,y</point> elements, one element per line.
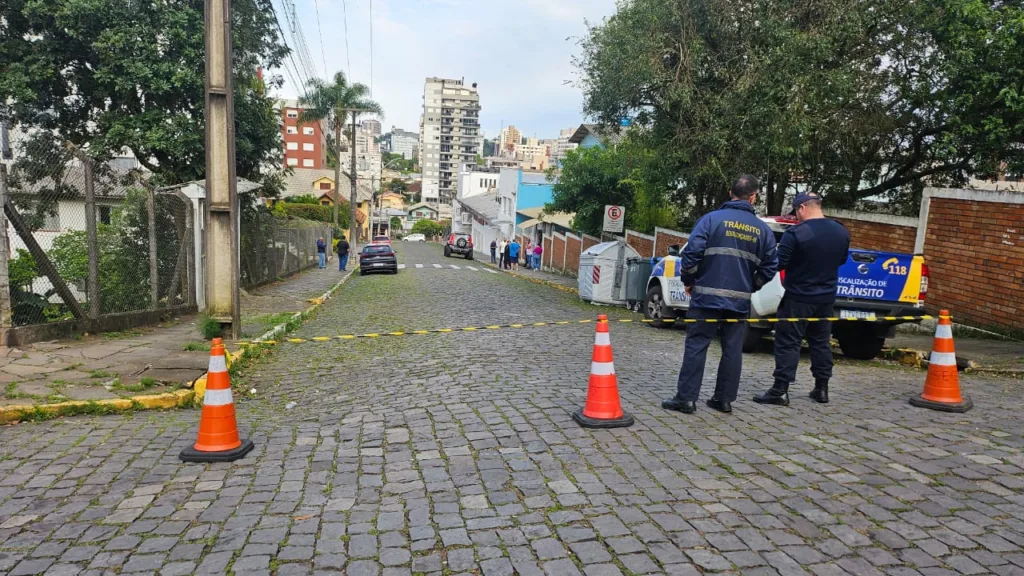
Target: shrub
<point>316,212</point>
<point>209,327</point>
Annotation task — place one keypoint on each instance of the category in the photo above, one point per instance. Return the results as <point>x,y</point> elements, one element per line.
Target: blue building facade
<point>533,191</point>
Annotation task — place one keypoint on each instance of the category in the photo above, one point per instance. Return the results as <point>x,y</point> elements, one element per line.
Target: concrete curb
<point>182,398</point>
<point>555,285</point>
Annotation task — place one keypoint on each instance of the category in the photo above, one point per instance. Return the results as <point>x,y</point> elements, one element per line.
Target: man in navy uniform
<point>810,253</point>
<point>729,256</point>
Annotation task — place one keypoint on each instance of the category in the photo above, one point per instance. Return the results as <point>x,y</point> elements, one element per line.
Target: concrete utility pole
<point>222,242</point>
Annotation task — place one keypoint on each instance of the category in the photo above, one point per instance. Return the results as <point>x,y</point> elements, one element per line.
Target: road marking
<point>473,269</point>
<point>419,265</point>
<point>454,267</point>
<point>437,266</point>
<point>401,266</point>
<point>491,271</point>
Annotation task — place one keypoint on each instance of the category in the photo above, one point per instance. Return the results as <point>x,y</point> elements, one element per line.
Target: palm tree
<point>332,102</point>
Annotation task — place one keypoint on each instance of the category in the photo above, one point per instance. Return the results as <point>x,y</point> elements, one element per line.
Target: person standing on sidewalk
<point>342,255</point>
<point>505,254</point>
<point>730,255</point>
<point>810,254</point>
<point>321,252</point>
<point>494,248</point>
<point>501,253</point>
<point>527,255</point>
<point>537,251</point>
<point>513,254</point>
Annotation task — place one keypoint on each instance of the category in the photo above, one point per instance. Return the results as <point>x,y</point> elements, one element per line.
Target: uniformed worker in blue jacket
<point>731,253</point>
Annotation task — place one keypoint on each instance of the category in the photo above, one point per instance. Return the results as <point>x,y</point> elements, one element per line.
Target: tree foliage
<point>850,98</point>
<point>427,228</point>
<point>314,212</point>
<point>302,199</point>
<point>110,75</point>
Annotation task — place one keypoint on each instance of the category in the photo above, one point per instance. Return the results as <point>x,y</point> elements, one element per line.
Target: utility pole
<point>222,242</point>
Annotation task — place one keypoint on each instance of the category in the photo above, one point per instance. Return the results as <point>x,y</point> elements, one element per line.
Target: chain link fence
<point>274,247</point>
<point>88,239</point>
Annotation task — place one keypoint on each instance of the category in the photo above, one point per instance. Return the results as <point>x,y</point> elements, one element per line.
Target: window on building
<point>307,162</point>
<point>292,113</point>
<point>307,146</point>
<point>291,145</point>
<point>293,161</point>
<point>325,202</point>
<point>307,130</point>
<point>292,130</point>
<point>325,185</point>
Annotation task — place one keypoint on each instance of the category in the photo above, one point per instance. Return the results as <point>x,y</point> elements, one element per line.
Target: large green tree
<point>855,98</point>
<point>109,74</point>
<point>332,102</point>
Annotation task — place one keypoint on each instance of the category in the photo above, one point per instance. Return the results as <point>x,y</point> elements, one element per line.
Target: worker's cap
<point>801,199</point>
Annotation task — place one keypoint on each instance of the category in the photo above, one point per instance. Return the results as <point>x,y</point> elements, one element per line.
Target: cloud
<point>518,51</point>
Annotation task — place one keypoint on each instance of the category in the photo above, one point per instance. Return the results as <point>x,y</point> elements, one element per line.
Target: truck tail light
<point>925,273</point>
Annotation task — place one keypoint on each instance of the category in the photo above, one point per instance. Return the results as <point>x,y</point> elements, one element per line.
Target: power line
<point>348,60</point>
<point>320,31</point>
<point>371,49</point>
<point>293,72</point>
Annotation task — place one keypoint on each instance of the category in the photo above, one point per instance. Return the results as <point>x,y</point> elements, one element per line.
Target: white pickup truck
<point>872,285</point>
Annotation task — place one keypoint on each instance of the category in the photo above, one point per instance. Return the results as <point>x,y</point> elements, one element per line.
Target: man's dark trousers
<point>698,338</point>
<point>789,334</point>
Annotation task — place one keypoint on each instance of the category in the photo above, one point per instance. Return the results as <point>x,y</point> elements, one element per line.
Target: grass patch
<point>273,319</point>
<point>141,386</point>
<point>130,333</point>
<point>196,347</point>
<point>100,374</point>
<point>209,327</point>
<point>40,413</point>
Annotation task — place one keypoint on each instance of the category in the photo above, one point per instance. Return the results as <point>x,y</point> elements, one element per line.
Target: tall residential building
<point>563,145</point>
<point>303,143</point>
<point>449,135</point>
<point>402,142</point>
<point>509,138</point>
<point>371,126</point>
<point>531,148</point>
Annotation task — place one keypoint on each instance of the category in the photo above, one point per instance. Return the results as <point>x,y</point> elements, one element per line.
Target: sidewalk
<point>147,360</point>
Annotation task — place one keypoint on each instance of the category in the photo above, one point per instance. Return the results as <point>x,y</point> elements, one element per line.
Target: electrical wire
<point>371,49</point>
<point>320,31</point>
<point>348,60</point>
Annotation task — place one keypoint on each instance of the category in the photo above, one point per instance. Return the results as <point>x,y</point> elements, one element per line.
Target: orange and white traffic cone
<point>218,439</point>
<point>603,409</point>
<point>942,385</point>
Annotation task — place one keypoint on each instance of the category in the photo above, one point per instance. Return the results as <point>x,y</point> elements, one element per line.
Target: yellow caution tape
<point>397,333</point>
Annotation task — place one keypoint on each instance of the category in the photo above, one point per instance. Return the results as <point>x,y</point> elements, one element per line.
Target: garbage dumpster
<point>638,272</point>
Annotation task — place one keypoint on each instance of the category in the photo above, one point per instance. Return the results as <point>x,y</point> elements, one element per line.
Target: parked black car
<point>377,258</point>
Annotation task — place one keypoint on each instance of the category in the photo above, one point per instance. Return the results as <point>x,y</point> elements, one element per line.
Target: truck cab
<point>873,285</point>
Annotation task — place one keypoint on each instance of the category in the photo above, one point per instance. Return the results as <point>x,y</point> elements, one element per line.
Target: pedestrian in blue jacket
<point>731,253</point>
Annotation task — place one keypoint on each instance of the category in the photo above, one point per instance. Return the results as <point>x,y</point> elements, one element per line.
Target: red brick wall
<point>589,241</point>
<point>664,239</point>
<point>573,247</point>
<point>645,246</point>
<point>975,251</point>
<point>557,252</point>
<point>545,257</point>
<point>881,237</point>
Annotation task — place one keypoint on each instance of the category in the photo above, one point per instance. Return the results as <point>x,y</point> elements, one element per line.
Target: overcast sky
<point>518,51</point>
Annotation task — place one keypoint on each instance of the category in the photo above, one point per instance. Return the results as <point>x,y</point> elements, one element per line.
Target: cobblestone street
<point>456,454</point>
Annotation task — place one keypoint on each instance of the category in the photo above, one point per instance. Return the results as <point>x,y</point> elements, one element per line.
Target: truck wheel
<point>661,316</point>
<point>752,339</point>
<point>861,345</point>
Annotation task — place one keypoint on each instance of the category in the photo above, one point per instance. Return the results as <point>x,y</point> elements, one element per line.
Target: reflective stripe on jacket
<point>731,253</point>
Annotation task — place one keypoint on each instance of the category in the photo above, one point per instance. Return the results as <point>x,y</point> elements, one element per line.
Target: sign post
<point>614,216</point>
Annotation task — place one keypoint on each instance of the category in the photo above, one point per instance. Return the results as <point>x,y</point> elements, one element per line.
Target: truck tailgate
<point>880,276</point>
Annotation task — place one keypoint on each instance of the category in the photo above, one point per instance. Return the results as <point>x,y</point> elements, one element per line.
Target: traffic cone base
<point>190,454</point>
<point>624,421</point>
<point>602,409</point>
<point>218,439</point>
<point>942,385</point>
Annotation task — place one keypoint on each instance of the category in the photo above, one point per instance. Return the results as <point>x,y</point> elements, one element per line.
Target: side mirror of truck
<point>673,250</point>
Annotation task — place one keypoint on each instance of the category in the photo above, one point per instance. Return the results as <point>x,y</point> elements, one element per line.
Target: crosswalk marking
<point>437,266</point>
<point>454,267</point>
<point>401,266</point>
<point>490,271</point>
<point>450,267</point>
<point>419,265</point>
<point>471,268</point>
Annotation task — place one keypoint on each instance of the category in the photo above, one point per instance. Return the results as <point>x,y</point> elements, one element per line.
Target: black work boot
<point>721,405</point>
<point>820,392</point>
<point>777,395</point>
<point>684,406</point>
